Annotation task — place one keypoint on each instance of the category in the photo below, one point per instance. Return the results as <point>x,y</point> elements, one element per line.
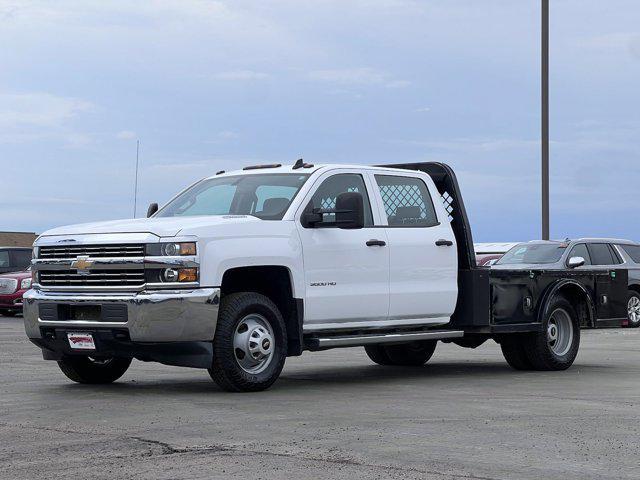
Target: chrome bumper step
<point>396,337</point>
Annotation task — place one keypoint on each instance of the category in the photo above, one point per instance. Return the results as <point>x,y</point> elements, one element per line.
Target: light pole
<point>545,118</point>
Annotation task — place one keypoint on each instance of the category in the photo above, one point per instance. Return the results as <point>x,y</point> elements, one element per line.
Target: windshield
<point>266,196</point>
<point>533,253</point>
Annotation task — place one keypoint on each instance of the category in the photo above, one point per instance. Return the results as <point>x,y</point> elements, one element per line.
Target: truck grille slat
<point>119,250</point>
<point>96,278</point>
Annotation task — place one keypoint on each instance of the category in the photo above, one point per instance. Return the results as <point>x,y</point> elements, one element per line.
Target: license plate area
<point>81,341</point>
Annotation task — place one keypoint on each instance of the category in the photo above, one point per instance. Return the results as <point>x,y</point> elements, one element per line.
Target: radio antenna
<point>135,190</point>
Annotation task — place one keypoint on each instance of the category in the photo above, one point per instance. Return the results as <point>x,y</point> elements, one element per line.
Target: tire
<point>9,313</point>
<point>378,354</point>
<point>87,370</point>
<point>404,354</point>
<point>249,347</point>
<point>548,354</point>
<point>513,350</point>
<point>633,309</point>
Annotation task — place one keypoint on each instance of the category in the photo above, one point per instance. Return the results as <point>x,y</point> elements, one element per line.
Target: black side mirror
<point>350,210</point>
<point>153,208</point>
<point>349,213</point>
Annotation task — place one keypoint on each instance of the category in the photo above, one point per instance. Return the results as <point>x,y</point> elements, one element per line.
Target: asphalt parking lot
<point>334,414</point>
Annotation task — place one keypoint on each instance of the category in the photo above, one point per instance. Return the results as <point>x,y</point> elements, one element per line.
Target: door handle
<point>444,243</point>
<point>376,243</point>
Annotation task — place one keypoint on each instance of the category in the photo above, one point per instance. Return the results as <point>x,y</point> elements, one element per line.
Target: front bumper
<point>12,301</point>
<point>151,316</point>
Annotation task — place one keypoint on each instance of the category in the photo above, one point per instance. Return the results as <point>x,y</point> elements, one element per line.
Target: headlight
<point>173,249</point>
<point>25,284</point>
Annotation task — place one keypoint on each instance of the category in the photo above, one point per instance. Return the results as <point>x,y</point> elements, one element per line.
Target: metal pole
<point>135,191</point>
<point>545,119</point>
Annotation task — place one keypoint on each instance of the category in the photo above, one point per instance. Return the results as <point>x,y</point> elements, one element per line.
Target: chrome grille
<point>97,278</point>
<point>96,251</point>
<point>8,285</point>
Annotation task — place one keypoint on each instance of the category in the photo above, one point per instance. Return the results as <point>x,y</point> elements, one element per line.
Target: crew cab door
<point>346,274</point>
<point>423,255</point>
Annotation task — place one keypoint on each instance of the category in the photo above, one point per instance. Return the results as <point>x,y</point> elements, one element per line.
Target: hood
<point>527,266</point>
<point>162,227</point>
<point>17,275</point>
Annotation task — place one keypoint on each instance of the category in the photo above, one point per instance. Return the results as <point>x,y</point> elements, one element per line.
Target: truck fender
<point>575,287</point>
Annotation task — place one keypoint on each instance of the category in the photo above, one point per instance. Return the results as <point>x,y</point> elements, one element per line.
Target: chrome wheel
<point>560,332</point>
<point>253,343</point>
<point>633,309</point>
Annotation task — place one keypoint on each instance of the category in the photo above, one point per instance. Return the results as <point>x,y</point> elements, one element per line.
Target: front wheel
<point>249,347</point>
<point>94,370</point>
<point>633,309</point>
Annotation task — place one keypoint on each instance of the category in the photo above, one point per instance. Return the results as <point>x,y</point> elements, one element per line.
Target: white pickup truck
<point>245,268</point>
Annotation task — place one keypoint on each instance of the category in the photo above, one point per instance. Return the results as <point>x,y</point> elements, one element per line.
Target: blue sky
<point>209,85</point>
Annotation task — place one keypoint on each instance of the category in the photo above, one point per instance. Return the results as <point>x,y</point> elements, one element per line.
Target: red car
<point>12,287</point>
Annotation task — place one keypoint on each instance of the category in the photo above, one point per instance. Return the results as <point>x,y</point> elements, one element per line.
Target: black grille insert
<point>95,251</point>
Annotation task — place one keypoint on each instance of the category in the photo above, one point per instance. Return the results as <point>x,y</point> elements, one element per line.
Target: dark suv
<point>585,253</point>
<point>14,259</point>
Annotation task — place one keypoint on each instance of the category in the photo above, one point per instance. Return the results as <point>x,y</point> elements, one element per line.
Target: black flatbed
<point>503,301</point>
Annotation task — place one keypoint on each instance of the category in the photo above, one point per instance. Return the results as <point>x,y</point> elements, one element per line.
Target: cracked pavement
<point>333,414</point>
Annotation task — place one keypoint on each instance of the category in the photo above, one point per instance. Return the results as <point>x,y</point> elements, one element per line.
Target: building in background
<point>17,239</point>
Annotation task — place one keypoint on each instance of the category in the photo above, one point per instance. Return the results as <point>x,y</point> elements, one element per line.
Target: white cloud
<point>423,109</point>
<point>126,135</point>
<point>618,41</point>
<point>39,109</point>
<point>240,75</point>
<point>357,76</point>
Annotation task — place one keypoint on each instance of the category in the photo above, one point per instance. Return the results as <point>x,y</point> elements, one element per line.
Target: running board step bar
<point>359,340</point>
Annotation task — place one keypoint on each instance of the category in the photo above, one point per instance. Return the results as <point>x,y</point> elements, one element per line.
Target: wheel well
<point>635,288</point>
<point>581,303</point>
<point>274,282</point>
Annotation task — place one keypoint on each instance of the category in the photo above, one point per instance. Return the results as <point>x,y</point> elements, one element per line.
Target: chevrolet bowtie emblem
<point>82,264</point>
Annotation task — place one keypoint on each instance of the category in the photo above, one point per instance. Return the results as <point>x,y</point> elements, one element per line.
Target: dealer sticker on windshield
<point>81,341</point>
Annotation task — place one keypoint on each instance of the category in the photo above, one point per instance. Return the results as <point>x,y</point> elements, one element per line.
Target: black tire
<point>378,354</point>
<point>539,350</point>
<point>9,313</point>
<point>98,371</point>
<point>403,354</point>
<point>633,295</point>
<point>226,370</point>
<point>513,348</point>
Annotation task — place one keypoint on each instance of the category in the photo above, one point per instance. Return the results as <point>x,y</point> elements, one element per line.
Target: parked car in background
<point>631,254</point>
<point>600,254</point>
<point>488,260</point>
<point>12,287</point>
<point>14,259</point>
<point>488,253</point>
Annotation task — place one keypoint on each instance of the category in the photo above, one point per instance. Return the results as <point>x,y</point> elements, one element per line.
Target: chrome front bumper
<point>152,316</point>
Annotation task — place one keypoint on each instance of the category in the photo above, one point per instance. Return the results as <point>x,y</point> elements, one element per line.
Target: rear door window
<point>407,201</point>
<point>601,254</point>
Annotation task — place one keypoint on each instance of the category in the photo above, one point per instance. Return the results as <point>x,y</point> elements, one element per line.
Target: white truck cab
<point>245,268</point>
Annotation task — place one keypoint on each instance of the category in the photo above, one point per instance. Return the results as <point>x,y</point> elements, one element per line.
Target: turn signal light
<point>188,275</point>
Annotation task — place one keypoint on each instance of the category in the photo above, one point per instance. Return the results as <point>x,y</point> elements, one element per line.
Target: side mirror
<point>349,213</point>
<point>575,262</point>
<point>350,210</point>
<point>153,208</point>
